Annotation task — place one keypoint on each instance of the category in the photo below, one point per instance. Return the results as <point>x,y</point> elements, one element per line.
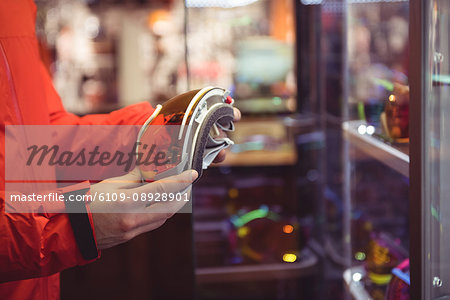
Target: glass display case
<point>376,149</point>
<point>430,263</point>
<point>254,214</point>
<point>414,91</point>
<point>257,218</point>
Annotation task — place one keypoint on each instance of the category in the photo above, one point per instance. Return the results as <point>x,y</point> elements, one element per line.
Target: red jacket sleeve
<point>36,244</point>
<point>135,114</point>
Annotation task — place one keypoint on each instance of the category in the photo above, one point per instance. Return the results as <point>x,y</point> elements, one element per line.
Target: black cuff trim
<point>82,230</point>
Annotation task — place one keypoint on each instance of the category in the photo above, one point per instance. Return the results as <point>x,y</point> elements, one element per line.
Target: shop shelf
<point>267,142</point>
<point>307,265</point>
<point>356,288</point>
<point>395,156</point>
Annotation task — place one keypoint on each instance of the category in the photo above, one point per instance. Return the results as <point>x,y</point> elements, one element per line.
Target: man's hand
<point>221,156</point>
<point>120,221</point>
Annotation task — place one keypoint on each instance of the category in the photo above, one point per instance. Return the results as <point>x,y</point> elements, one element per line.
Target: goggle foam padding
<point>222,114</point>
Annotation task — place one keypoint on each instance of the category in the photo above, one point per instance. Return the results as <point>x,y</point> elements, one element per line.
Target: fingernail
<point>194,174</point>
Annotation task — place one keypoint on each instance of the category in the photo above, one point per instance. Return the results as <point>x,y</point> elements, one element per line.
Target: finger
<point>162,192</point>
<point>133,178</point>
<point>129,180</point>
<point>159,211</point>
<point>220,157</point>
<point>169,208</point>
<point>172,184</point>
<point>237,114</point>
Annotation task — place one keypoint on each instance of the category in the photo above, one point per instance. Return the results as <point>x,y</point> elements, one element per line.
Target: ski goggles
<point>186,132</point>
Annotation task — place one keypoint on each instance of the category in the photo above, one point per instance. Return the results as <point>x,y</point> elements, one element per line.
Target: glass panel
<point>253,215</point>
<point>376,152</point>
<point>437,151</point>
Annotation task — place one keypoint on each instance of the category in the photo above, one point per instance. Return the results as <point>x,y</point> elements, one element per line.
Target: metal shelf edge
<point>377,149</point>
<point>259,272</point>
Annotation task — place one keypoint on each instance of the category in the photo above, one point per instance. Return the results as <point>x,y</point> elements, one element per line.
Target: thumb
<point>129,180</point>
<point>172,184</point>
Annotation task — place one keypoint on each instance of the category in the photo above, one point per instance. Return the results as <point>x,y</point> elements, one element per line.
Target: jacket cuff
<point>80,219</point>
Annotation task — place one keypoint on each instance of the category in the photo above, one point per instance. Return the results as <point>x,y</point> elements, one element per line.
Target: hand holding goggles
<point>192,134</point>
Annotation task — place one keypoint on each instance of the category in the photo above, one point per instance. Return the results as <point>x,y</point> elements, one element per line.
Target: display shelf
<point>307,265</point>
<point>267,143</point>
<point>356,288</point>
<point>285,156</point>
<point>395,156</point>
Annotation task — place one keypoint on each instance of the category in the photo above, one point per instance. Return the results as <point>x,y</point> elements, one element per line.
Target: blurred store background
<point>299,203</point>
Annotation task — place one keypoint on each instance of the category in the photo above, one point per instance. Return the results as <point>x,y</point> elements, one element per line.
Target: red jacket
<point>34,248</point>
